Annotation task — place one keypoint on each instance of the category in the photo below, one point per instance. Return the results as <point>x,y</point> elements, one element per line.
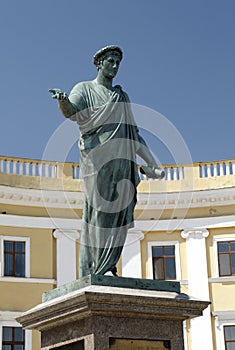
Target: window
<point>225,329</point>
<point>14,258</point>
<point>226,258</point>
<point>229,337</point>
<point>13,338</point>
<point>164,262</point>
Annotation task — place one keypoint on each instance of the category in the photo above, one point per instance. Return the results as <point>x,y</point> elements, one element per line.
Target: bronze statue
<point>108,145</point>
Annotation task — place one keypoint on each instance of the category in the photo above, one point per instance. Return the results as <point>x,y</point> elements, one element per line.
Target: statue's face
<point>109,66</point>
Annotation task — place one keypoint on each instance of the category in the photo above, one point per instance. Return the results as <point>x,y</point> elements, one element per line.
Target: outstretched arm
<point>67,108</point>
<point>152,169</point>
<point>144,153</point>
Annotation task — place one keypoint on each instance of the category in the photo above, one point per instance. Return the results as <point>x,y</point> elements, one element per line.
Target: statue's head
<point>106,51</point>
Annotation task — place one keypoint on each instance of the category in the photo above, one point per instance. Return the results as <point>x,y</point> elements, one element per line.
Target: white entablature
<point>146,201</point>
<point>140,225</point>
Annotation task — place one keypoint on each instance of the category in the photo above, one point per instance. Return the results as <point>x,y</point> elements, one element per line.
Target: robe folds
<point>108,144</point>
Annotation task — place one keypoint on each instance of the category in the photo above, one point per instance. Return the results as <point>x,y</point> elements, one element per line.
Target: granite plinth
<point>111,281</point>
<point>95,314</point>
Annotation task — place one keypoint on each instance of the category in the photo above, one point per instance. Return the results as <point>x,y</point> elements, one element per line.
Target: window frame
<point>7,320</point>
<point>222,319</point>
<point>13,342</point>
<point>217,240</point>
<point>227,325</point>
<point>177,258</point>
<point>26,240</point>
<point>229,253</point>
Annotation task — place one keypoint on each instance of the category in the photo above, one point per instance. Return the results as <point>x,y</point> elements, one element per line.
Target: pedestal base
<point>105,317</point>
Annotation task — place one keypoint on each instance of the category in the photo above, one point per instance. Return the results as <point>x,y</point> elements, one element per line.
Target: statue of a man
<point>108,145</point>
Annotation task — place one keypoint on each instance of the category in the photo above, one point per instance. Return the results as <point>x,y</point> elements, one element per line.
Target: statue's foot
<point>113,272</point>
<point>108,273</point>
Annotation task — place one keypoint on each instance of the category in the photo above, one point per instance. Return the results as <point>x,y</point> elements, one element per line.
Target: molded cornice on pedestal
<point>103,312</point>
<point>110,301</point>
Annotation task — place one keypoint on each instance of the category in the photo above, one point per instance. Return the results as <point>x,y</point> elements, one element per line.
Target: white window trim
<point>27,253</point>
<point>222,318</point>
<point>8,279</point>
<point>177,257</point>
<point>7,319</point>
<point>215,250</point>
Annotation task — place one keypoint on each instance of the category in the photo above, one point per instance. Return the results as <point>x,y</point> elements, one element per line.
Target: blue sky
<point>179,59</point>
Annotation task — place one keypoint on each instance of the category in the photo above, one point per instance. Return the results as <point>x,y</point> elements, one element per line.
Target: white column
<point>131,255</point>
<point>200,329</point>
<point>66,255</point>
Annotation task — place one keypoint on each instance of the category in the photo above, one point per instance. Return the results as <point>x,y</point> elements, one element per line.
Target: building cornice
<point>40,198</point>
<point>52,223</point>
<point>190,199</point>
<point>146,201</point>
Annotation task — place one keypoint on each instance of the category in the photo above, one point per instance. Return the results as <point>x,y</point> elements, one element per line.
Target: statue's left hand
<point>58,94</point>
<point>153,172</point>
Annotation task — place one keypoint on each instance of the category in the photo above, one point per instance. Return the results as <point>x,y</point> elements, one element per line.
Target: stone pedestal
<point>123,314</point>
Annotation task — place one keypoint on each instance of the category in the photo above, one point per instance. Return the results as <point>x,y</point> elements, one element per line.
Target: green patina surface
<point>110,281</point>
<point>109,143</point>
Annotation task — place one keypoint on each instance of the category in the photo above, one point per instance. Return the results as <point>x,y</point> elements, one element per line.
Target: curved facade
<point>184,230</point>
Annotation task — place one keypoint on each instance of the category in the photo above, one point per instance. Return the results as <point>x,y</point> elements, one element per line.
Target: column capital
<point>71,234</point>
<point>196,233</point>
<point>134,236</point>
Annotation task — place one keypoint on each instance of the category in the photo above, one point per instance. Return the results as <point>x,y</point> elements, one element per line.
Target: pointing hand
<point>58,94</point>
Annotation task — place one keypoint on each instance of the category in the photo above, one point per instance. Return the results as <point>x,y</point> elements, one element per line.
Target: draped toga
<point>108,144</point>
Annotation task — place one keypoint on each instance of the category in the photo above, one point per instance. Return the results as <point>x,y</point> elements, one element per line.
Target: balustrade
<point>220,168</point>
<point>174,173</point>
<point>31,167</point>
<point>171,173</point>
<point>76,171</point>
<point>28,167</point>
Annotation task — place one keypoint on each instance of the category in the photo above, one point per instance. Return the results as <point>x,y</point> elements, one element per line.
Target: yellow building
<point>184,231</point>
